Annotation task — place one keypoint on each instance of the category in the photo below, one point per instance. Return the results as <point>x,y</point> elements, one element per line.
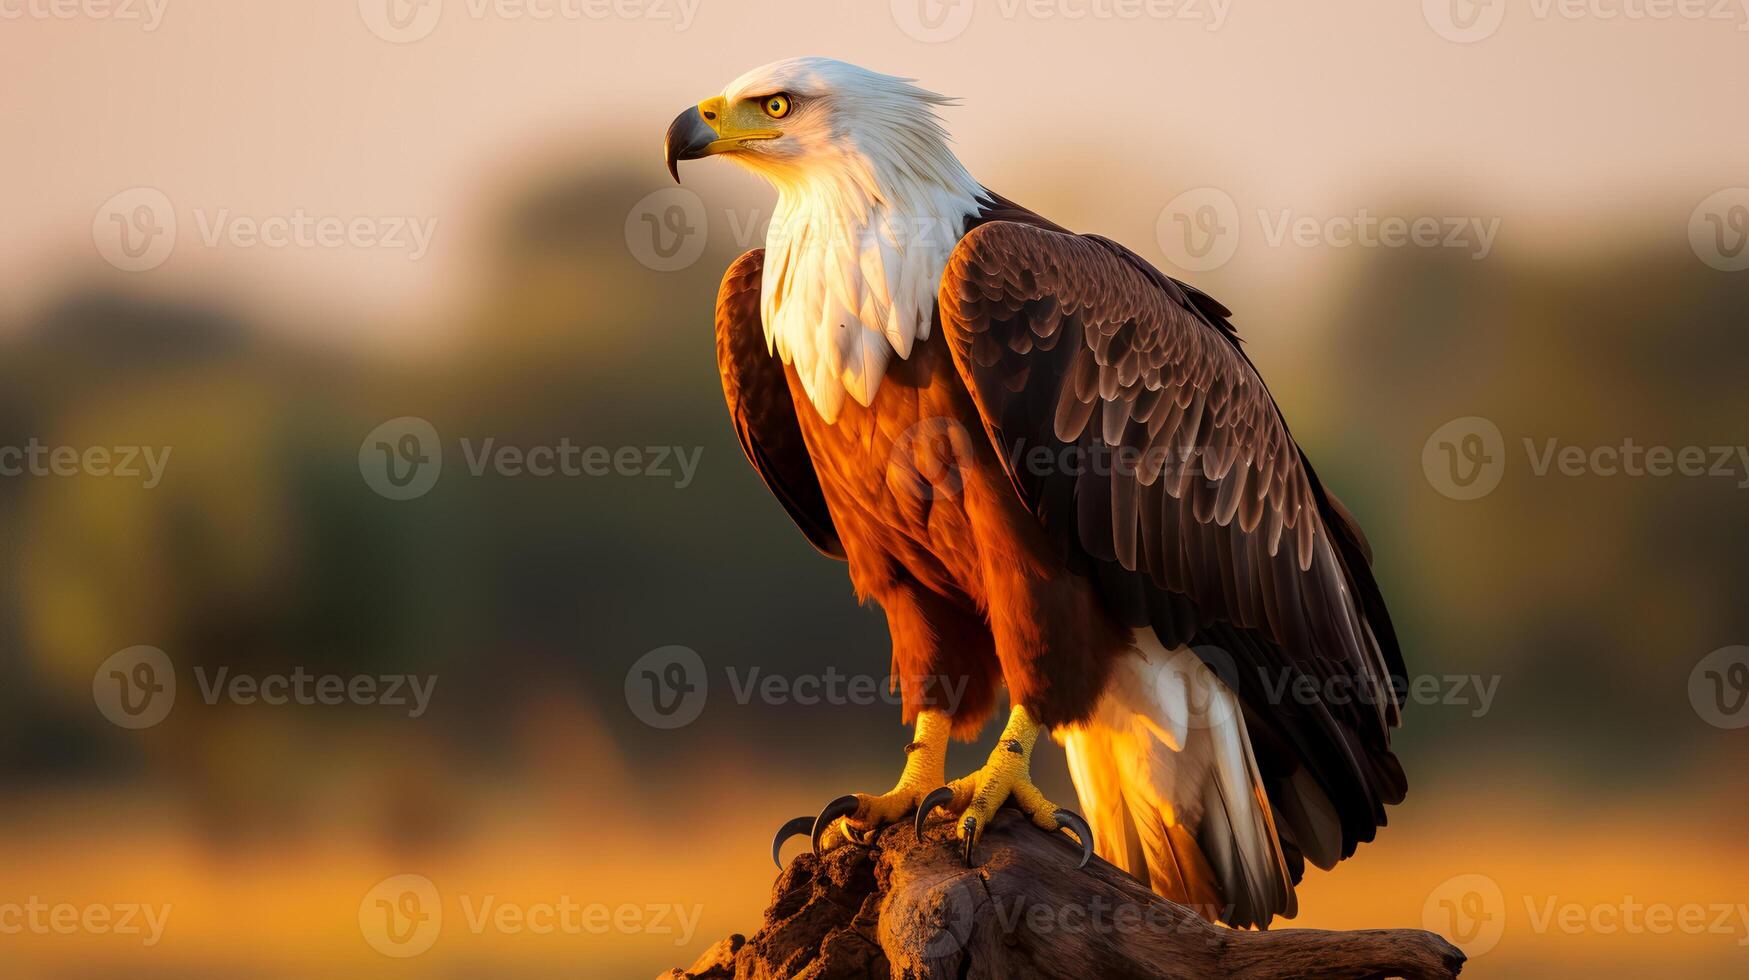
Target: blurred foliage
<point>1592,596</point>
<point>264,550</point>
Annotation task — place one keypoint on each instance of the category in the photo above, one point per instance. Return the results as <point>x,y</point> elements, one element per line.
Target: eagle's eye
<point>776,106</point>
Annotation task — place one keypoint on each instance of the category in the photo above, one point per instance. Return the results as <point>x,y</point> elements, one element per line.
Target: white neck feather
<point>854,256</point>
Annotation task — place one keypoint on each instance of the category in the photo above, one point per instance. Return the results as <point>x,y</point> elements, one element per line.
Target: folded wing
<point>1143,439</point>
<point>760,405</point>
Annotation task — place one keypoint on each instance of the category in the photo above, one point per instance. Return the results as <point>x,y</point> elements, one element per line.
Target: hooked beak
<point>693,135</point>
<point>689,138</point>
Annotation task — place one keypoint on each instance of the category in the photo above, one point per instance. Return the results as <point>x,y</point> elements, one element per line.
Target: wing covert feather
<point>1200,514</point>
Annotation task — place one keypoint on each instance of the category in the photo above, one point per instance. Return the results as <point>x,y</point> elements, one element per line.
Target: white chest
<point>849,285</point>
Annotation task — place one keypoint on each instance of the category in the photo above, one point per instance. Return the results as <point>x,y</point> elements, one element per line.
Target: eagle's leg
<point>1007,775</point>
<point>857,817</point>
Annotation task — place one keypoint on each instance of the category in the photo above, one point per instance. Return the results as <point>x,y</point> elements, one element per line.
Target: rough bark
<point>910,908</point>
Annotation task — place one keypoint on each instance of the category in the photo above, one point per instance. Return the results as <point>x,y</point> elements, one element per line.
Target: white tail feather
<point>1166,776</point>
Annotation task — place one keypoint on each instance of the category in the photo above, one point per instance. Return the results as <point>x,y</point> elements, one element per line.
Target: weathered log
<point>910,908</point>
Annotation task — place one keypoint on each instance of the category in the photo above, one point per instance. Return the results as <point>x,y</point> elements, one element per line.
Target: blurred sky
<point>268,107</point>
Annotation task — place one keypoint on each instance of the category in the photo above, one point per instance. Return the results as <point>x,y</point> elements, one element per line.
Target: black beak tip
<point>688,138</point>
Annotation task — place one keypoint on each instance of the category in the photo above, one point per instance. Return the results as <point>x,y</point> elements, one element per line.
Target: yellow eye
<point>776,106</point>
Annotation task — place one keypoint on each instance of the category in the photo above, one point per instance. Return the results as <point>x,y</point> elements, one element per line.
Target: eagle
<point>1059,475</point>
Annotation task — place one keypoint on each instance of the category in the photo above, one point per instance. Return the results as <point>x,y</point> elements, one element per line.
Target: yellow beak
<point>704,130</point>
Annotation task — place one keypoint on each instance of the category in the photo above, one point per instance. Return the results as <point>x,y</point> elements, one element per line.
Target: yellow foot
<point>858,817</point>
<point>1006,776</point>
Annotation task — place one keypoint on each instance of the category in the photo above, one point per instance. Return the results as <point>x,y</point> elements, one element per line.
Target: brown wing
<point>1192,506</point>
<point>759,403</point>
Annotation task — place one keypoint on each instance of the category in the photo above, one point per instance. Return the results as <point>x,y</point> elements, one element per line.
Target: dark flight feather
<point>1222,538</point>
<point>759,400</point>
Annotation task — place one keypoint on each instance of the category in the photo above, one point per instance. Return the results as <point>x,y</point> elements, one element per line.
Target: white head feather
<point>870,203</point>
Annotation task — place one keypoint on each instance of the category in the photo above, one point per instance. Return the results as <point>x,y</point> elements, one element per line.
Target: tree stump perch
<point>909,908</point>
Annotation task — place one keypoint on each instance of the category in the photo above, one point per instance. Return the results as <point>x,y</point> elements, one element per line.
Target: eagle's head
<point>870,203</point>
<point>802,117</point>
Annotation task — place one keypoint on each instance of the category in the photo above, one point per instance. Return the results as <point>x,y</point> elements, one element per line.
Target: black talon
<point>799,825</point>
<point>939,796</point>
<point>865,839</point>
<point>843,806</point>
<point>1070,820</point>
<point>971,830</point>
